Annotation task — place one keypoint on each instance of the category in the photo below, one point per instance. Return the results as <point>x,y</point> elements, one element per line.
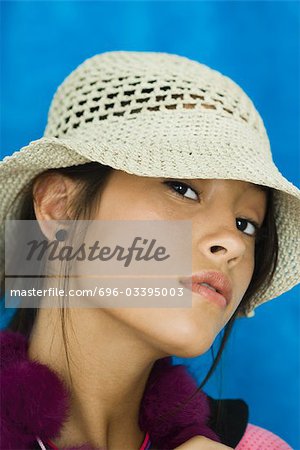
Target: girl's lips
<point>216,279</point>
<point>208,293</point>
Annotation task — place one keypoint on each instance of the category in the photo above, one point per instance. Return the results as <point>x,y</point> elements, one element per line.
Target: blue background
<point>255,43</point>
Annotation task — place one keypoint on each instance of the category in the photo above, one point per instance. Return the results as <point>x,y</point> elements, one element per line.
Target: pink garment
<point>146,443</point>
<point>257,438</point>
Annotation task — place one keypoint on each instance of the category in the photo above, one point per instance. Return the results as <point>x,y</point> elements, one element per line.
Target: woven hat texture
<point>159,114</point>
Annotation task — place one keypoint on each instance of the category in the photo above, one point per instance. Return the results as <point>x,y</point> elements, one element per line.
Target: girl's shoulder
<point>230,420</point>
<point>256,437</point>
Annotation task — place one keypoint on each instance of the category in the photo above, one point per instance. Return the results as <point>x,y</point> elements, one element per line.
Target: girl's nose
<point>221,243</point>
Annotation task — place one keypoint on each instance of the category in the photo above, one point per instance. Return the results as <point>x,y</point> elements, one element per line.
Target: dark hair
<point>92,178</point>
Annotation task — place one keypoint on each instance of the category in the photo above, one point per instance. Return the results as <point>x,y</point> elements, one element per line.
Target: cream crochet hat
<point>158,114</point>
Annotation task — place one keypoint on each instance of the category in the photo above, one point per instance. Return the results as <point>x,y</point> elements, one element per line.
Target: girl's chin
<point>186,342</point>
<point>189,351</point>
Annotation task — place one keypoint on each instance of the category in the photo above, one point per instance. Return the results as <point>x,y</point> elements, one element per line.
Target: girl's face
<point>219,242</point>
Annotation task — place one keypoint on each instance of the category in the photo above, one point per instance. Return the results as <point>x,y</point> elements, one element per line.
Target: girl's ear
<point>52,193</point>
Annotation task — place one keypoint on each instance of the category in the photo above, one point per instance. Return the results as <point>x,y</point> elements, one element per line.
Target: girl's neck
<point>109,372</point>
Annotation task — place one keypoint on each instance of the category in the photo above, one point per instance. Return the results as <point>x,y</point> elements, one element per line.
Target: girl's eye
<point>249,225</point>
<point>182,189</point>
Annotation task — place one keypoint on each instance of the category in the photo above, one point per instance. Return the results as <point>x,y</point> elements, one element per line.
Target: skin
<point>201,443</point>
<point>113,349</point>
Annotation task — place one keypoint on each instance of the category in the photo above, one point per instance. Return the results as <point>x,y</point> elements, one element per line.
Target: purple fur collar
<point>35,401</point>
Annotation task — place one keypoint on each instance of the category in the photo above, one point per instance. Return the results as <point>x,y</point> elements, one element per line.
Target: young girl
<point>135,136</point>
